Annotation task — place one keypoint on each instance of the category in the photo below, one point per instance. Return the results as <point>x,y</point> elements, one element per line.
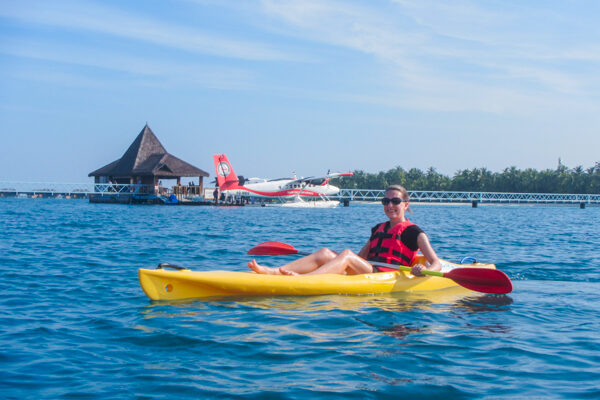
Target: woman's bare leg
<point>346,262</point>
<point>300,266</point>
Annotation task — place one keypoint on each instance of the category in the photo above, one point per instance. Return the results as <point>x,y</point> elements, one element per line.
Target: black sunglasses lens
<point>395,201</point>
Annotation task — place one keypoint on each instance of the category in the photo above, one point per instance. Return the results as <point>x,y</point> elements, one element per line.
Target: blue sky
<point>304,86</point>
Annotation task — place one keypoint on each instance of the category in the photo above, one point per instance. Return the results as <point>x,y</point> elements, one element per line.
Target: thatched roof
<point>147,157</point>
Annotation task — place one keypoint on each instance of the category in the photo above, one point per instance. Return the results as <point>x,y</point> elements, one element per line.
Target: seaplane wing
<point>230,183</point>
<point>321,180</point>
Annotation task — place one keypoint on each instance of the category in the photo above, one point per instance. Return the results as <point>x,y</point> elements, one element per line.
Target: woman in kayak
<point>393,242</point>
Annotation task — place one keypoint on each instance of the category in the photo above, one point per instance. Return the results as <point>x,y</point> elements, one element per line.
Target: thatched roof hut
<point>146,161</point>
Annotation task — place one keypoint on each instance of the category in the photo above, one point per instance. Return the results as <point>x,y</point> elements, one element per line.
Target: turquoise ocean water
<point>74,322</point>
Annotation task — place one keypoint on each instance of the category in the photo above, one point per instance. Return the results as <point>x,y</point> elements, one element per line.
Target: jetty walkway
<point>420,196</point>
<point>183,193</point>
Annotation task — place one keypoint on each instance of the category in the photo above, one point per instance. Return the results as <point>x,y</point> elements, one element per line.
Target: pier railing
<point>29,189</point>
<point>54,189</point>
<point>83,189</point>
<point>470,197</point>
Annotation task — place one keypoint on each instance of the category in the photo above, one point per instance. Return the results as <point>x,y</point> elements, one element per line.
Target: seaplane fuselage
<point>229,183</point>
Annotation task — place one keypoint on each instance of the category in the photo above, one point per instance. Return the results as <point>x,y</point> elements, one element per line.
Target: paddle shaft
<point>486,280</point>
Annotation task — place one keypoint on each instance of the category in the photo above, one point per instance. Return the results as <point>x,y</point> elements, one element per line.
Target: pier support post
<point>582,205</point>
<point>474,204</point>
<point>346,202</point>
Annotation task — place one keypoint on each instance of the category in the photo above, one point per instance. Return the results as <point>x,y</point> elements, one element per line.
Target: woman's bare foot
<point>259,269</point>
<point>286,272</point>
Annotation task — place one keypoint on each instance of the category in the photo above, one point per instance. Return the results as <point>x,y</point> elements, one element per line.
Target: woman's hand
<point>417,270</point>
<point>432,258</point>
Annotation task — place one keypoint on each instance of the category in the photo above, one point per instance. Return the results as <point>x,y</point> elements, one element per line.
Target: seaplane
<point>315,188</point>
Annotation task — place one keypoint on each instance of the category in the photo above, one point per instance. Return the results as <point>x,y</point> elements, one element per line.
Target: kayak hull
<point>161,284</point>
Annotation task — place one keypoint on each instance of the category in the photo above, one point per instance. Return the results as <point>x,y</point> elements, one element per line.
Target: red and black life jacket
<point>385,245</point>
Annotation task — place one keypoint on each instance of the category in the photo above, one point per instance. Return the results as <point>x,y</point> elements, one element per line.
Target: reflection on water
<point>491,328</point>
<point>396,330</point>
<point>485,303</point>
<point>447,312</point>
<point>456,303</point>
<point>482,304</point>
<point>388,380</point>
<point>401,301</point>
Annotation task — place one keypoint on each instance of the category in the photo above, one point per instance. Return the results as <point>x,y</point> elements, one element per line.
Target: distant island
<point>560,180</point>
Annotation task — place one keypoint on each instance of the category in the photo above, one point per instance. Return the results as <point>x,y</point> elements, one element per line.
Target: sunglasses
<point>395,201</point>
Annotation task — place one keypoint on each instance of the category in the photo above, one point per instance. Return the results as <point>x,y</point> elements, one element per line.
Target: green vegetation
<point>561,180</point>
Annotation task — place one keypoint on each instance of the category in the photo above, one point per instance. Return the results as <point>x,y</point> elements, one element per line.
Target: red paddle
<point>483,280</point>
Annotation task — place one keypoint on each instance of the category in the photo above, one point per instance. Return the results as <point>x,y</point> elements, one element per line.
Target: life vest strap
<point>381,235</point>
<point>403,256</point>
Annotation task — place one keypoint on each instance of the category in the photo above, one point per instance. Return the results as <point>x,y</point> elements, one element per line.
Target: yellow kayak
<point>161,284</point>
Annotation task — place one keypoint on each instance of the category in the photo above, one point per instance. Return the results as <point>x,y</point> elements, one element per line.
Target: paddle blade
<point>481,280</point>
<point>272,249</point>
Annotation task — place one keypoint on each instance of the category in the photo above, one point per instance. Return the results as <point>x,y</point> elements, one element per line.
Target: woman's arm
<point>429,253</point>
<point>364,252</point>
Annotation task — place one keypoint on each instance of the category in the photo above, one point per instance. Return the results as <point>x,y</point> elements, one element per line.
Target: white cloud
<point>461,55</point>
<point>146,71</point>
<point>83,16</point>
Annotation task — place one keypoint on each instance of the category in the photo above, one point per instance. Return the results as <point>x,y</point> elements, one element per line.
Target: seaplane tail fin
<point>226,178</point>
